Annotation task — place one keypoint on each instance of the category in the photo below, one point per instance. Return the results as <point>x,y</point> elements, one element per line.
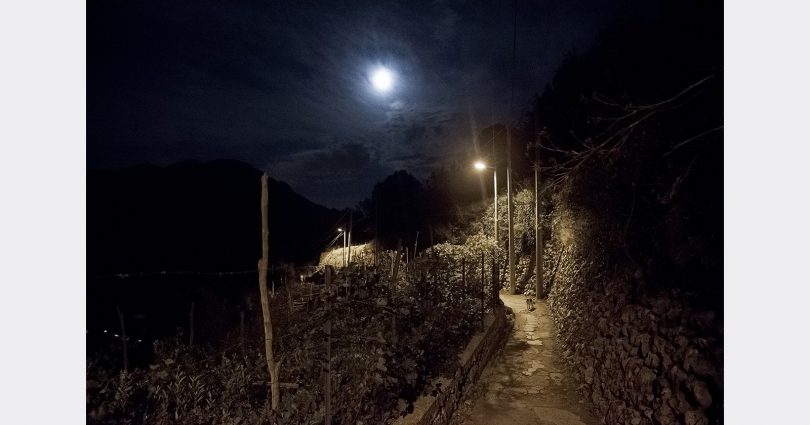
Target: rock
<point>701,394</point>
<point>683,403</point>
<point>664,415</point>
<point>695,417</point>
<point>645,377</point>
<point>588,374</point>
<point>644,342</point>
<point>702,367</point>
<point>677,375</point>
<point>652,361</point>
<point>666,361</point>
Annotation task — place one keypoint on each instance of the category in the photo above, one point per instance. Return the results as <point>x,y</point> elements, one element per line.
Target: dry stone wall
<point>438,408</point>
<point>642,355</point>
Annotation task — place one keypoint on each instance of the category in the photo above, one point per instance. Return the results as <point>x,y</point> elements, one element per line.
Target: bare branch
<point>679,145</point>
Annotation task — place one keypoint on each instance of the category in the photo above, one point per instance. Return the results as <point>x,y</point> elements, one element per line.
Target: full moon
<point>382,79</point>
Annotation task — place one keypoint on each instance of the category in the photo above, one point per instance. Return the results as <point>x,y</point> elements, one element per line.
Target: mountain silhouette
<point>196,216</point>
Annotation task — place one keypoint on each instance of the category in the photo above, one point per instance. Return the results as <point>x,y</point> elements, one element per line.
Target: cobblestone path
<point>527,382</point>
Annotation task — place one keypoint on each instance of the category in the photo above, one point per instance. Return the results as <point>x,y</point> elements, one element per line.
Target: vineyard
<point>376,333</point>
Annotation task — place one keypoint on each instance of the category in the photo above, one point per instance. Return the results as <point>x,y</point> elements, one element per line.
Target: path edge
<point>438,409</point>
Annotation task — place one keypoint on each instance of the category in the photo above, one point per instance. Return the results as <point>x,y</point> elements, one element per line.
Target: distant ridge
<point>196,215</point>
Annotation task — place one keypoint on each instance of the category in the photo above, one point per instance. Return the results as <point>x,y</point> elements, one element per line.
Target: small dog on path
<point>530,304</point>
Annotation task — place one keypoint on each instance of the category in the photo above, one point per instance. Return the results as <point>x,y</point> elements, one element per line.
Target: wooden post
<point>289,297</point>
<point>191,325</point>
<point>394,329</point>
<point>123,338</point>
<point>272,365</point>
<point>242,331</point>
<point>430,227</point>
<point>463,274</point>
<point>482,289</point>
<point>328,385</point>
<point>496,281</point>
<point>395,265</point>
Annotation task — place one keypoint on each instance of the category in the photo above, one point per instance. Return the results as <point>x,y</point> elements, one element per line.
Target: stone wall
<point>644,354</point>
<point>438,408</point>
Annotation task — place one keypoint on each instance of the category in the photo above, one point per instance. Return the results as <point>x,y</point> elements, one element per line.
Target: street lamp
<point>481,166</point>
<point>343,251</point>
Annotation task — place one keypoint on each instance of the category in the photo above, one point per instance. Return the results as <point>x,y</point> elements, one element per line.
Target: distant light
<point>140,340</point>
<point>115,335</point>
<point>480,165</point>
<point>382,79</point>
<point>105,331</point>
<point>340,229</point>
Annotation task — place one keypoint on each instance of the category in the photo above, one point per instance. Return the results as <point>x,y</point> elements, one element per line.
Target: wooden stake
<point>463,273</point>
<point>482,289</point>
<point>191,325</point>
<point>328,385</point>
<point>242,331</point>
<point>272,365</point>
<point>123,338</point>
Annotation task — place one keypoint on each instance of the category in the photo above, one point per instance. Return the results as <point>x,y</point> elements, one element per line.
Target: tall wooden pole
<point>272,365</point>
<point>123,338</point>
<point>328,384</point>
<point>510,211</point>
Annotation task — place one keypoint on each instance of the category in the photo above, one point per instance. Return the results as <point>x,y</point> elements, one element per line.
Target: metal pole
<point>495,184</point>
<point>509,210</point>
<point>344,248</point>
<point>538,234</point>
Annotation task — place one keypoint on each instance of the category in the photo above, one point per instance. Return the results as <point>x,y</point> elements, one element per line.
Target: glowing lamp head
<point>382,79</point>
<point>340,229</point>
<point>480,166</point>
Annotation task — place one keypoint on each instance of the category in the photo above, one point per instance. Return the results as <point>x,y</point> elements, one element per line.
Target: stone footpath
<point>527,383</point>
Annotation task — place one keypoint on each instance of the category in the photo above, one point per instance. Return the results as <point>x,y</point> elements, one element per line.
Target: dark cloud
<point>285,83</point>
<point>330,172</point>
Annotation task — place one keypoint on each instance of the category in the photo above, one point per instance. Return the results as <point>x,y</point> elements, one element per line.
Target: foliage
<point>388,340</point>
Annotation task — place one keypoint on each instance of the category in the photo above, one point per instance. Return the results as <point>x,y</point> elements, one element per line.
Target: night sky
<point>285,86</point>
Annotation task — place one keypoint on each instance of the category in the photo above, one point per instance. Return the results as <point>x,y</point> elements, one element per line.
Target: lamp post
<point>538,235</point>
<point>343,251</point>
<point>510,210</point>
<point>480,166</point>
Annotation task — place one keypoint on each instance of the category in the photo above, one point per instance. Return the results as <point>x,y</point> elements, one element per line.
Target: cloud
<point>334,163</point>
<point>285,83</point>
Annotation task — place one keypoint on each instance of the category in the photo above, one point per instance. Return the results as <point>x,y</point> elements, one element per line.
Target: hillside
<point>195,216</point>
